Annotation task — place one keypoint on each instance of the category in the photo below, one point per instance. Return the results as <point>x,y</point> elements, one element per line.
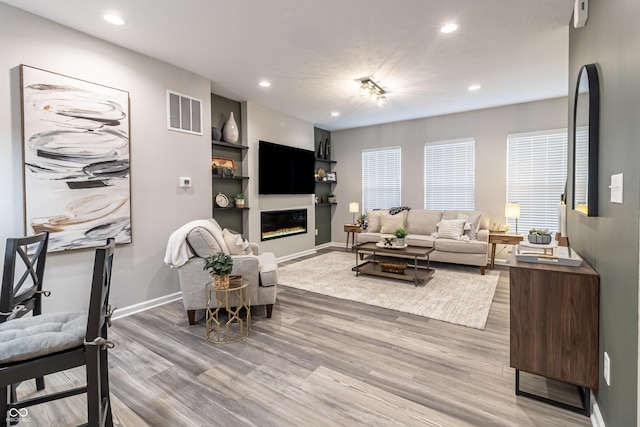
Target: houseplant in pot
<point>400,234</point>
<point>539,236</point>
<point>240,200</point>
<point>219,267</point>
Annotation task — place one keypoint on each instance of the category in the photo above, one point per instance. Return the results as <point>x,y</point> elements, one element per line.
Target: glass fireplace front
<point>277,224</point>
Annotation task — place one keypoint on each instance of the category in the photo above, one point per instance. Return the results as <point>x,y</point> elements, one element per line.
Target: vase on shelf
<point>320,152</point>
<point>216,134</point>
<point>327,149</point>
<point>230,130</point>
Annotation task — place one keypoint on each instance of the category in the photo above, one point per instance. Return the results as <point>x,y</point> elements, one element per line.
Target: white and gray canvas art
<point>76,160</point>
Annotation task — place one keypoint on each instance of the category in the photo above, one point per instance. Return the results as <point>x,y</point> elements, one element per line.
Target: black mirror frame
<point>594,132</point>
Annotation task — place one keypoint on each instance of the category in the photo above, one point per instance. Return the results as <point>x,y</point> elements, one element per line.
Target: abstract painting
<point>76,160</point>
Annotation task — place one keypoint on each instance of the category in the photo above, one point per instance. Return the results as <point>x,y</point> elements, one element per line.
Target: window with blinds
<point>381,178</point>
<point>536,177</point>
<point>449,174</point>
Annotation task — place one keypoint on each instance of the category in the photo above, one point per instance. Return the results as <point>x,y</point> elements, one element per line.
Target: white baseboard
<point>596,415</point>
<point>296,255</point>
<point>310,251</point>
<point>137,308</point>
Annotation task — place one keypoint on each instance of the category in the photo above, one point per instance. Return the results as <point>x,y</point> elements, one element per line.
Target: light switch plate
<point>616,188</point>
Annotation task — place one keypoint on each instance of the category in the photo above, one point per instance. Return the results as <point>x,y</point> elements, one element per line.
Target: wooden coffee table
<point>416,274</point>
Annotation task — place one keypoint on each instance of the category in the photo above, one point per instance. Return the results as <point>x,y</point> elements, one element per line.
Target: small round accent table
<point>229,318</point>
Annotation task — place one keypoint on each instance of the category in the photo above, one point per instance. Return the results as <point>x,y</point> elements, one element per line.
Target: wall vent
<point>184,113</point>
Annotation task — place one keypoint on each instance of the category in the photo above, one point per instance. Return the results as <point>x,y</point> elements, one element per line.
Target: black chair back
<point>22,277</point>
<point>91,352</point>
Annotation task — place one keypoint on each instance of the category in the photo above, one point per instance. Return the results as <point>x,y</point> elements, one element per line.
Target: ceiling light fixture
<point>449,28</point>
<point>335,114</point>
<point>114,19</point>
<point>369,89</point>
<point>264,84</point>
<point>474,87</point>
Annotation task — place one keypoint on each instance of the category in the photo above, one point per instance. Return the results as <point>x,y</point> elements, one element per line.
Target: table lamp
<point>354,208</point>
<point>512,210</point>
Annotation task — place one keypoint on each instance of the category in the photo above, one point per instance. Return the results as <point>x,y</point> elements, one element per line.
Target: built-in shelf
<point>230,208</point>
<point>231,216</point>
<point>325,160</point>
<point>327,204</point>
<point>230,177</point>
<point>229,145</point>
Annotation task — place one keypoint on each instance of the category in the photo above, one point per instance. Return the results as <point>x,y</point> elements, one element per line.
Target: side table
<point>230,320</point>
<point>351,229</point>
<point>503,239</point>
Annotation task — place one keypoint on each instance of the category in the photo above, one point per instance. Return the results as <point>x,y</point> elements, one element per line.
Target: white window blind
<point>449,174</point>
<point>381,178</point>
<point>536,177</point>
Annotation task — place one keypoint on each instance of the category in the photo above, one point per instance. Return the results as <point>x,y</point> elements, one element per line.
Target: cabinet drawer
<point>505,240</point>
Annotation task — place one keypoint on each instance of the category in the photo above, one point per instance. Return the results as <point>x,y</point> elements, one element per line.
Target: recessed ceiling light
<point>264,83</point>
<point>474,87</point>
<point>335,114</point>
<point>114,19</point>
<point>449,28</point>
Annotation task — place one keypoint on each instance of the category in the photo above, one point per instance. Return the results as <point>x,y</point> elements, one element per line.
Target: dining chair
<point>22,279</point>
<point>22,276</point>
<point>35,346</point>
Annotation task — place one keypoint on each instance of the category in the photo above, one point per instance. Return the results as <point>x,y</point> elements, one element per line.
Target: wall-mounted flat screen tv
<point>285,170</point>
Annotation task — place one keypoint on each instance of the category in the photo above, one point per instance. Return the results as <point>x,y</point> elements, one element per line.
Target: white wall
<point>158,156</point>
<point>488,127</point>
<point>269,125</point>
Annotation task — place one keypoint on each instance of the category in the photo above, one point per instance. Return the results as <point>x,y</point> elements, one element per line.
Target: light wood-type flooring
<point>318,361</point>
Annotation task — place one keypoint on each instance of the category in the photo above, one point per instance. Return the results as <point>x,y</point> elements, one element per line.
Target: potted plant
<point>219,267</point>
<point>539,236</point>
<point>400,234</point>
<point>362,220</point>
<point>331,198</point>
<point>240,200</point>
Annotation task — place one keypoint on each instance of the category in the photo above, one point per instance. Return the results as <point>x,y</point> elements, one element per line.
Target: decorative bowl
<point>540,239</point>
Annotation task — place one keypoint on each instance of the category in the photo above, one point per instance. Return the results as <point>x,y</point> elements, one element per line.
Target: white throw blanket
<point>178,250</point>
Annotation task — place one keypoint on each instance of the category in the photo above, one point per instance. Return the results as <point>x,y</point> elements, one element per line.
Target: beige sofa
<point>470,247</point>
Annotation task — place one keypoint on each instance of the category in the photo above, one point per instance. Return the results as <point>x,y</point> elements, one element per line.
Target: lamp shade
<point>512,210</point>
<point>354,207</point>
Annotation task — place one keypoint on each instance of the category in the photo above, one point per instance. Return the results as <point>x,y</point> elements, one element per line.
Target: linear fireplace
<point>276,224</point>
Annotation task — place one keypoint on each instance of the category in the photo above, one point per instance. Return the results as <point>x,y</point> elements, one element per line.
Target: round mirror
<point>586,115</point>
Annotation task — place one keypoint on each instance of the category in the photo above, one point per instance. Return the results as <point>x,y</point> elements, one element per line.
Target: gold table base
<point>230,320</point>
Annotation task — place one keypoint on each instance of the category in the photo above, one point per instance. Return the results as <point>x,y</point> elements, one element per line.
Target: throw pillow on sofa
<point>390,223</point>
<point>451,229</point>
<point>374,220</point>
<point>471,226</point>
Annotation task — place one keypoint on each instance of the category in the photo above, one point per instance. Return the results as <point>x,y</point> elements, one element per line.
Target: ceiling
<point>314,52</point>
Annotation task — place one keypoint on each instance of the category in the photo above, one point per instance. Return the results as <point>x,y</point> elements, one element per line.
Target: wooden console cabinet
<point>554,324</point>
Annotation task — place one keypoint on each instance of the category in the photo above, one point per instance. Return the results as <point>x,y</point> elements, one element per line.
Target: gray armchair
<point>200,239</point>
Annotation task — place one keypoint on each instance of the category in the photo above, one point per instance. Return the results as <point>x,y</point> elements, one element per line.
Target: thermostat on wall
<point>184,181</point>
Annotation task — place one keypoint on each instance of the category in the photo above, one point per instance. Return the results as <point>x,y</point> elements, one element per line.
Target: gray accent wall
<point>609,242</point>
<point>158,156</point>
<point>488,127</point>
<point>272,126</point>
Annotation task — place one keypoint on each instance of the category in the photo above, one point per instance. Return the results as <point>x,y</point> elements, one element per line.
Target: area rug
<point>454,294</point>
